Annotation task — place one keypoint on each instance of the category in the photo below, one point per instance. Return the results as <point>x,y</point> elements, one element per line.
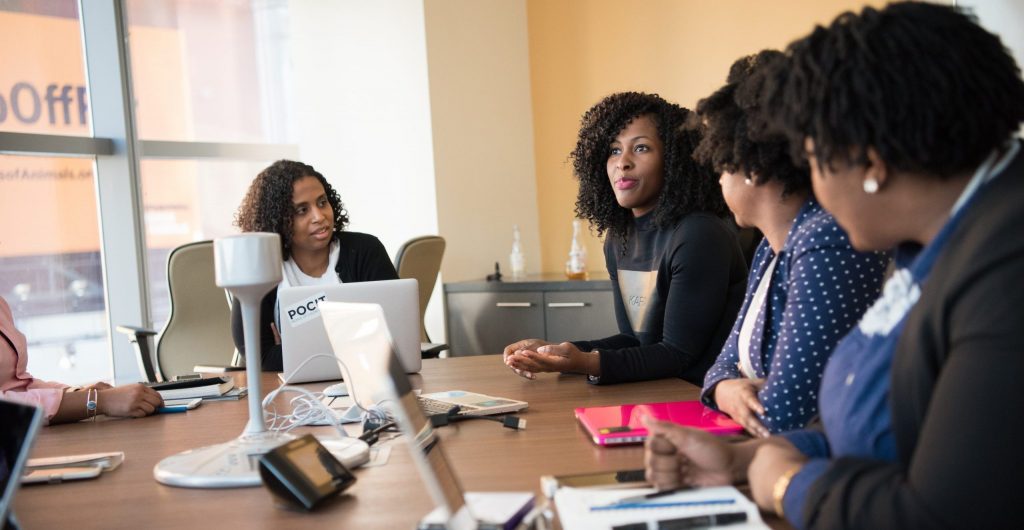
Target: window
<point>208,102</point>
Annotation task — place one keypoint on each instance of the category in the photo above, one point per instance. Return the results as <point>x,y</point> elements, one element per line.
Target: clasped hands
<point>529,357</point>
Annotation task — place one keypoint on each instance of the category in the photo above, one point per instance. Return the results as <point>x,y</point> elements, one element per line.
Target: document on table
<point>584,508</point>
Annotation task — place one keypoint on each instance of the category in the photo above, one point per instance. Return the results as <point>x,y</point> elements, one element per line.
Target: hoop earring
<point>871,186</point>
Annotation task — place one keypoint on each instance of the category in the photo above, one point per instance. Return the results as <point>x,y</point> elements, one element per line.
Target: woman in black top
<point>676,265</point>
<point>296,202</point>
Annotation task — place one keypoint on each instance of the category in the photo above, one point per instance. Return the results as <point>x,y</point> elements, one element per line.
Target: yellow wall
<point>583,50</point>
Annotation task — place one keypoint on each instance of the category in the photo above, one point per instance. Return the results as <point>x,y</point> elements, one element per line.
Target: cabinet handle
<point>514,304</point>
<point>567,304</point>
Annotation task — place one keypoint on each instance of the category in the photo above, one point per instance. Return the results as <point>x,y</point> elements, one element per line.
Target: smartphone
<point>56,475</point>
<point>179,405</point>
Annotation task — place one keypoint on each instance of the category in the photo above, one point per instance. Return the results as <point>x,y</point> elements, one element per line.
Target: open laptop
<point>20,425</point>
<point>303,334</point>
<point>359,334</point>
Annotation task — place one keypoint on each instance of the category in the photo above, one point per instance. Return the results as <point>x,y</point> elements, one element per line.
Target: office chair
<point>420,258</point>
<point>198,330</point>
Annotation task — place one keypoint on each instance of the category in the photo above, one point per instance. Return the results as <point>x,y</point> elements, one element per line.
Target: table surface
<point>486,457</point>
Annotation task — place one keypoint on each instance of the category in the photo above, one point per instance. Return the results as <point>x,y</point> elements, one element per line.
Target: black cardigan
<point>362,258</point>
<point>957,396</point>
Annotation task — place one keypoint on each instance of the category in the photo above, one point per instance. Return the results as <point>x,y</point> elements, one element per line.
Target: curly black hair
<point>689,185</point>
<point>736,135</point>
<point>267,206</point>
<point>922,84</point>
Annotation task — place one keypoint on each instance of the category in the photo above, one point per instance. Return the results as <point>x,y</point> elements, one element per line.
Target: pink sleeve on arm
<point>15,383</point>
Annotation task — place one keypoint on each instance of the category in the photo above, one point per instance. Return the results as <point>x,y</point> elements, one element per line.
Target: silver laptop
<point>20,425</point>
<point>359,334</point>
<point>303,335</point>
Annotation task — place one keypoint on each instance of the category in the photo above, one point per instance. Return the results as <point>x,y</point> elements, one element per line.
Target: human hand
<point>676,456</point>
<point>564,357</point>
<point>771,461</point>
<point>525,344</point>
<point>130,400</point>
<point>738,399</point>
<point>277,335</point>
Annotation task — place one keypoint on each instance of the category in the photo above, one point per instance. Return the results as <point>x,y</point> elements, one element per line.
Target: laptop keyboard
<point>433,406</point>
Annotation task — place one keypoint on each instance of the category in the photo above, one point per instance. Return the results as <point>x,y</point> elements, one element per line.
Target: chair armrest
<point>134,332</point>
<point>430,350</point>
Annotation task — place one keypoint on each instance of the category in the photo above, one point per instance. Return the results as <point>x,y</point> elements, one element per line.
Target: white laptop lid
<point>360,337</point>
<point>303,334</point>
<point>20,423</point>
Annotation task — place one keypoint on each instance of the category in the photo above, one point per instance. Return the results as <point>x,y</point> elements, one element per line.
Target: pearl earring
<point>748,182</point>
<point>871,186</point>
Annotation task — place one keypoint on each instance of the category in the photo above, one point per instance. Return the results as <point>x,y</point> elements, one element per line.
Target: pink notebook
<point>620,424</point>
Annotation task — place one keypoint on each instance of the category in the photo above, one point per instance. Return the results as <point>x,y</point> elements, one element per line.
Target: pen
<point>642,505</point>
<point>655,495</point>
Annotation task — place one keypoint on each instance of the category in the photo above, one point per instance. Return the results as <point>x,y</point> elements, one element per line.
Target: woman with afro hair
<point>675,263</point>
<point>768,373</point>
<point>296,202</point>
<point>909,118</point>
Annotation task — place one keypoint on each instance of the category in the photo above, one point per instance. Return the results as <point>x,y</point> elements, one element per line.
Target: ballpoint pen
<point>664,504</point>
<point>643,498</point>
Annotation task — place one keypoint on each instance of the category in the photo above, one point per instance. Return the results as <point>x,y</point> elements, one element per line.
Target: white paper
<point>575,507</point>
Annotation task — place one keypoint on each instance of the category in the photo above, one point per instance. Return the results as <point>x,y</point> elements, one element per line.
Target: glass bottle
<point>516,259</point>
<point>576,266</point>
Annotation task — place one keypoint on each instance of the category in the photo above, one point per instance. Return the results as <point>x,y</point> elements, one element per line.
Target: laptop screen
<point>20,423</point>
<point>360,339</point>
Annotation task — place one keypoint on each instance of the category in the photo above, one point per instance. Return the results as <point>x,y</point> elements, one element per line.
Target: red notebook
<point>620,424</point>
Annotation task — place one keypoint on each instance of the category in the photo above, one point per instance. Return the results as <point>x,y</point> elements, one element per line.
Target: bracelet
<point>92,399</point>
<point>781,485</point>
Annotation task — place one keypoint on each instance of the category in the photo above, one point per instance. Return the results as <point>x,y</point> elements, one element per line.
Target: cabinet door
<point>579,315</point>
<point>480,323</point>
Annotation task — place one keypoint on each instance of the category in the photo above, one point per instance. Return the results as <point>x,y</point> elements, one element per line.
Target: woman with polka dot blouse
<point>807,286</point>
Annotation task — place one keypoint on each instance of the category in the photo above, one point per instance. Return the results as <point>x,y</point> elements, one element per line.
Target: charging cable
<point>509,421</point>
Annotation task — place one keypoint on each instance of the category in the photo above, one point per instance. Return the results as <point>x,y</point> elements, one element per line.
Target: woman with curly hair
<point>909,118</point>
<point>296,202</point>
<point>674,261</point>
<point>768,373</point>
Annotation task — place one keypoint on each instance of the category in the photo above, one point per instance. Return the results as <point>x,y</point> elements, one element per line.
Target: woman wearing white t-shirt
<point>296,202</point>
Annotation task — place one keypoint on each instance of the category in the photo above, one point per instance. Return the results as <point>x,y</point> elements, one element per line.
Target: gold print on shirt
<point>637,289</point>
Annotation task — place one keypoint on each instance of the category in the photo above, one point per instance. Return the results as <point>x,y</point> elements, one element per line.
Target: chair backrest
<point>198,330</point>
<point>420,259</point>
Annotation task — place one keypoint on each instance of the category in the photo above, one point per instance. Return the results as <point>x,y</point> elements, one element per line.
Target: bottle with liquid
<point>576,266</point>
<point>516,259</point>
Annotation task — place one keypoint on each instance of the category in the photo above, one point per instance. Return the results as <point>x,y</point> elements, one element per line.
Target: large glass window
<point>209,104</point>
<point>50,269</point>
<point>184,201</point>
<point>210,71</point>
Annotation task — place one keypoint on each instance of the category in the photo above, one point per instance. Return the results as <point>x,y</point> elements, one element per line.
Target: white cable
<point>308,407</point>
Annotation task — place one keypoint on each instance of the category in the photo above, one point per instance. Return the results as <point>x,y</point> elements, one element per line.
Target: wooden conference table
<point>486,457</point>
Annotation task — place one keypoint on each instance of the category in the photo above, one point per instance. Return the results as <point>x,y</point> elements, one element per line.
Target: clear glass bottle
<point>517,260</point>
<point>576,266</point>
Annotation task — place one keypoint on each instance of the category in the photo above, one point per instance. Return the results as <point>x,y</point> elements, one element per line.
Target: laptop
<point>359,334</point>
<point>20,425</point>
<point>303,335</point>
<point>620,424</point>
